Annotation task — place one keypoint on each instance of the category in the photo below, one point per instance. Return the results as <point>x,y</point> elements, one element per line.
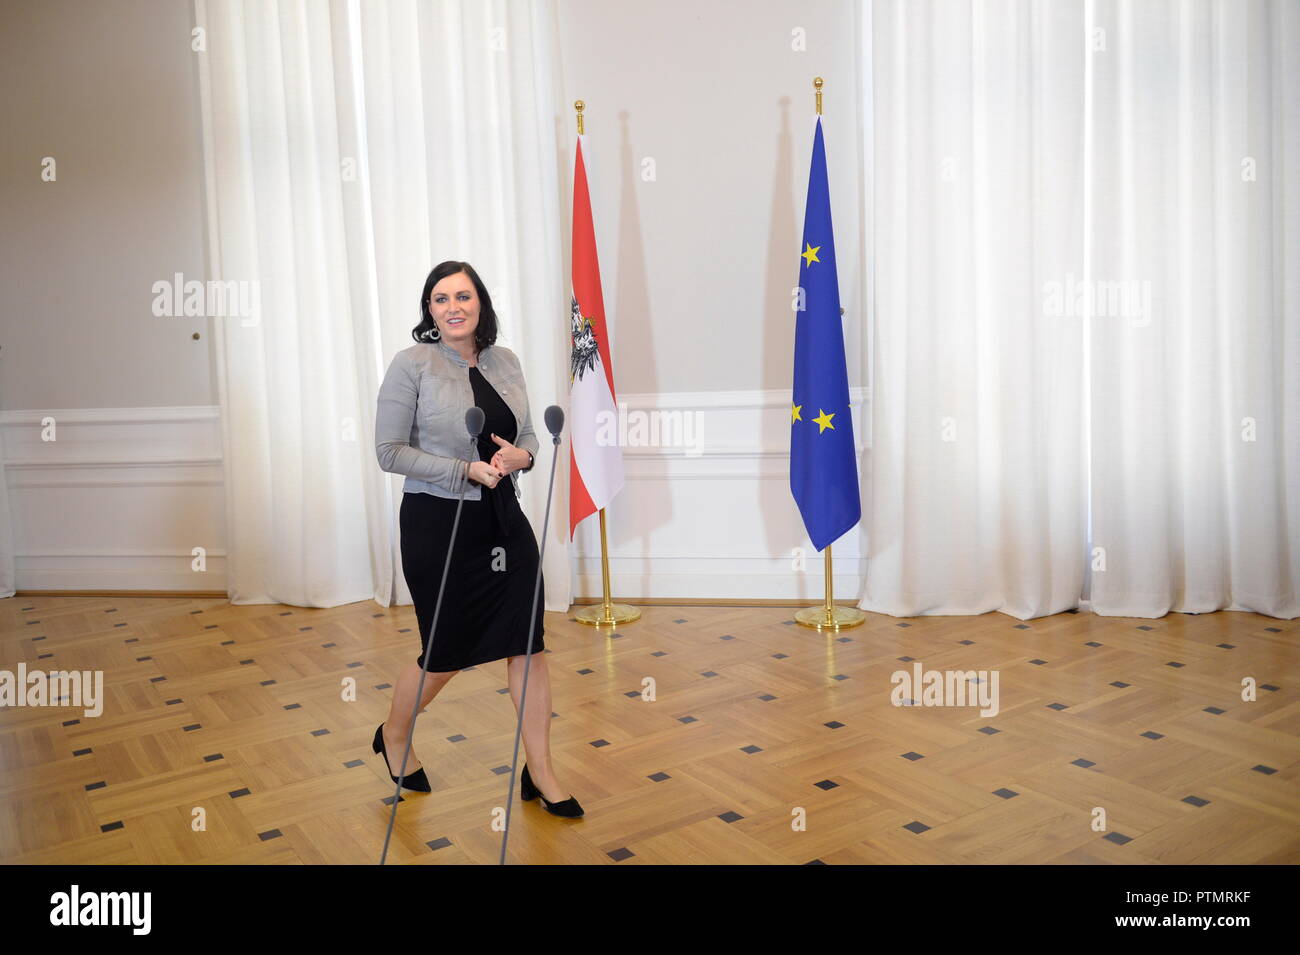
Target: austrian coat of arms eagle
<point>586,351</point>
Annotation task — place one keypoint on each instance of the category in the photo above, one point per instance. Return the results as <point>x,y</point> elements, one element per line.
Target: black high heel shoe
<point>416,781</point>
<point>528,792</point>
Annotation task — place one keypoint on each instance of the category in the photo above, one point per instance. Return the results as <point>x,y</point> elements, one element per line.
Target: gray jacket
<point>420,421</point>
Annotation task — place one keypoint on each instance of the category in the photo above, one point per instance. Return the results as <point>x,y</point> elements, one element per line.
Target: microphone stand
<point>554,423</point>
<point>474,419</point>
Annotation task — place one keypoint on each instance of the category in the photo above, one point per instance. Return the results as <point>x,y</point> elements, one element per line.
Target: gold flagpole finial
<point>817,85</point>
<point>579,105</point>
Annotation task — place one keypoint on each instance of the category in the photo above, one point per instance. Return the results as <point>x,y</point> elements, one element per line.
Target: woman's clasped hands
<point>508,458</point>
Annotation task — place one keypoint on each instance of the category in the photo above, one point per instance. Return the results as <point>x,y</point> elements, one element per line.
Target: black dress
<point>490,584</point>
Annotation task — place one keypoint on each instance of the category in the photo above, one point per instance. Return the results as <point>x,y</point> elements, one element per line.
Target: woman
<point>420,432</point>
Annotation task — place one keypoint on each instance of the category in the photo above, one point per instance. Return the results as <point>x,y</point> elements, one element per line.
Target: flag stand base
<point>836,618</point>
<point>607,615</point>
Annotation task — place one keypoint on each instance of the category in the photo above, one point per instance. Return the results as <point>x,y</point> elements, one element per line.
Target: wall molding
<point>720,523</point>
<point>119,500</point>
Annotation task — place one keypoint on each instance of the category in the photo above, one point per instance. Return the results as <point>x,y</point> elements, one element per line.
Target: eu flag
<point>823,459</point>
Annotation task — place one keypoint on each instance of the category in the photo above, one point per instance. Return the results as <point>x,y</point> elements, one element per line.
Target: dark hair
<point>486,332</point>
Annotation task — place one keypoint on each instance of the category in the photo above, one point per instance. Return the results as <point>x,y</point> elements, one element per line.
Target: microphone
<point>554,418</point>
<point>474,419</point>
<point>554,422</point>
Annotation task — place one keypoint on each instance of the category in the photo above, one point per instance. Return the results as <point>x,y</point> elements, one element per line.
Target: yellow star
<point>824,421</point>
<point>794,412</point>
<point>811,254</point>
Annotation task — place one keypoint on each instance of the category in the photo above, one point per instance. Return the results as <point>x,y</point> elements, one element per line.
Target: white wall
<point>109,90</point>
<point>132,482</point>
<point>698,267</point>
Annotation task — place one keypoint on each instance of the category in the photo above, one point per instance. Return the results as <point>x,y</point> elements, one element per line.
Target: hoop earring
<point>433,334</point>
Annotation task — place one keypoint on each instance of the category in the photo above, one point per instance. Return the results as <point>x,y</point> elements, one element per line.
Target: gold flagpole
<point>607,613</point>
<point>828,616</point>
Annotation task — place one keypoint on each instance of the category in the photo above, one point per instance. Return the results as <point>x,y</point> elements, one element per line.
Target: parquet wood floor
<point>765,742</point>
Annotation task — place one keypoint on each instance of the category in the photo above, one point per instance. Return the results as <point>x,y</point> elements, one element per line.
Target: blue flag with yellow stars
<point>823,458</point>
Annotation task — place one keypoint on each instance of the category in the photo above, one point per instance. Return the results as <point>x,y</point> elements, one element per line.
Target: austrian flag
<point>595,468</point>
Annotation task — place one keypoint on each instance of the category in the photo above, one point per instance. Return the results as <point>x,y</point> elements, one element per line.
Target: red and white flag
<point>595,458</point>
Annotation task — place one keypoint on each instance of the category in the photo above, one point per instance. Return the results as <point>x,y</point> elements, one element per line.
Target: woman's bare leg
<point>537,722</point>
<point>399,714</point>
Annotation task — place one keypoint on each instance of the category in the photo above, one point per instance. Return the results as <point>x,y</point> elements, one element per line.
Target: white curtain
<point>1083,280</point>
<point>1194,132</point>
<point>975,497</point>
<point>350,147</point>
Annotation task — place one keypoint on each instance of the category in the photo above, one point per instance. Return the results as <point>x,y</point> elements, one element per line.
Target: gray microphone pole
<point>474,419</point>
<point>554,417</point>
